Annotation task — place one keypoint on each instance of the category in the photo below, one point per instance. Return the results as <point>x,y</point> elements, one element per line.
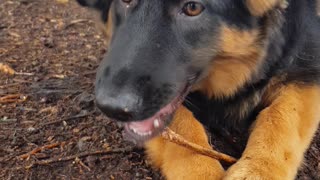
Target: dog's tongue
<point>142,126</point>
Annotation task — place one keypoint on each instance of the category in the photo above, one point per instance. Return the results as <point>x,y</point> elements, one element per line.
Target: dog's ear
<point>260,7</point>
<point>84,2</point>
<point>101,5</point>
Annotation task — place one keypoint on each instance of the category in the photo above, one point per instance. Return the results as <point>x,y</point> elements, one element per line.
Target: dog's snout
<point>120,108</point>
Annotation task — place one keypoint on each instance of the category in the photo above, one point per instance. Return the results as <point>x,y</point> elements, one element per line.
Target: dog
<point>239,65</point>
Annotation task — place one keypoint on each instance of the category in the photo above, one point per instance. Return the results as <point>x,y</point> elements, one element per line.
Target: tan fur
<point>108,29</point>
<point>240,55</point>
<point>260,7</point>
<point>177,162</point>
<point>272,90</point>
<point>280,135</point>
<point>279,138</point>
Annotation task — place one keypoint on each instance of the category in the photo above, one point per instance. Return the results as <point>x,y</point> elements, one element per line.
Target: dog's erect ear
<point>84,2</point>
<point>98,4</point>
<point>101,5</point>
<point>260,7</point>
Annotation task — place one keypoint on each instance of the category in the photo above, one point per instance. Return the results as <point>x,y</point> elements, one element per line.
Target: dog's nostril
<point>120,108</point>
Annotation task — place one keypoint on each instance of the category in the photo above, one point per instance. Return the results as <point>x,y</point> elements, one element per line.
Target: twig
<point>9,85</point>
<point>12,98</point>
<point>6,120</point>
<point>2,50</point>
<point>36,150</point>
<point>171,136</point>
<point>77,21</point>
<point>85,154</point>
<point>8,70</point>
<point>68,118</point>
<point>24,74</point>
<point>78,160</point>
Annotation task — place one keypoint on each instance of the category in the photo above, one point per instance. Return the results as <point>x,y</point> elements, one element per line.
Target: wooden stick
<point>171,136</point>
<point>36,150</point>
<point>82,115</point>
<point>6,69</point>
<point>12,98</point>
<point>81,155</point>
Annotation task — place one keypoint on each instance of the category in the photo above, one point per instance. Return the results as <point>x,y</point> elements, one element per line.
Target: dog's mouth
<point>143,130</point>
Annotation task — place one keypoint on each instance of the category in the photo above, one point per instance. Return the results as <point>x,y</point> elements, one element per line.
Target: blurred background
<point>49,52</point>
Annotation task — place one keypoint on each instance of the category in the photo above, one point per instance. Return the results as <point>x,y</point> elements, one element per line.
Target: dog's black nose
<point>120,108</point>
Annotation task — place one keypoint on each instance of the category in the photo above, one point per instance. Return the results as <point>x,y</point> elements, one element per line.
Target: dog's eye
<point>192,9</point>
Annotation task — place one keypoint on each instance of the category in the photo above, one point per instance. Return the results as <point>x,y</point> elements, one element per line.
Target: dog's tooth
<point>149,133</point>
<point>156,123</point>
<point>142,133</point>
<point>134,130</point>
<point>120,124</point>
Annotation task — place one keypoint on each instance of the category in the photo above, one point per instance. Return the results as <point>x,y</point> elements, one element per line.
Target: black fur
<point>101,5</point>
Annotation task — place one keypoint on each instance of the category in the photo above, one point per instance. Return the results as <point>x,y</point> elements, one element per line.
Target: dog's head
<point>161,49</point>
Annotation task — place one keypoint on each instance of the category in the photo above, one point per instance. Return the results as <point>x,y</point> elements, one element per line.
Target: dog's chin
<point>144,130</point>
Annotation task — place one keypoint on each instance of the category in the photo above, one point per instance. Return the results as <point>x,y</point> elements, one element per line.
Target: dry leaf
<point>62,1</point>
<point>6,69</point>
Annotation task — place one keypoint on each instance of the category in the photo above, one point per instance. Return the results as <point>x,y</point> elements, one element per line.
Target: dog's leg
<point>177,162</point>
<point>280,136</point>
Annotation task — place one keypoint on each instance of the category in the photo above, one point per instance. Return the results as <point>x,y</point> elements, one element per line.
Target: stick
<point>78,160</point>
<point>77,21</point>
<point>85,154</point>
<point>12,98</point>
<point>36,150</point>
<point>69,118</point>
<point>9,85</point>
<point>171,136</point>
<point>8,70</point>
<point>24,74</point>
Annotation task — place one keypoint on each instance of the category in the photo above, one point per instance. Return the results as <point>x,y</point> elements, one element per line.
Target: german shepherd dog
<point>197,65</point>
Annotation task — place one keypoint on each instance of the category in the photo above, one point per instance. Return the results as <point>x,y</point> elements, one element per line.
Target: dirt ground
<point>47,108</point>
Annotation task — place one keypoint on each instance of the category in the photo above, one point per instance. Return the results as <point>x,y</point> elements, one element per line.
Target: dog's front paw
<point>254,170</point>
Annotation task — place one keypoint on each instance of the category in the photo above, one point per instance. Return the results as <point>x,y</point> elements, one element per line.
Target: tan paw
<point>194,167</point>
<point>249,169</point>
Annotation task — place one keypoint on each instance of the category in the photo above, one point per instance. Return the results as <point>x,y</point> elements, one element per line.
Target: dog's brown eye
<point>192,9</point>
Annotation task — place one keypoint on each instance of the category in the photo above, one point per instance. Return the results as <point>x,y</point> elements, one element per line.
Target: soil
<point>56,47</point>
